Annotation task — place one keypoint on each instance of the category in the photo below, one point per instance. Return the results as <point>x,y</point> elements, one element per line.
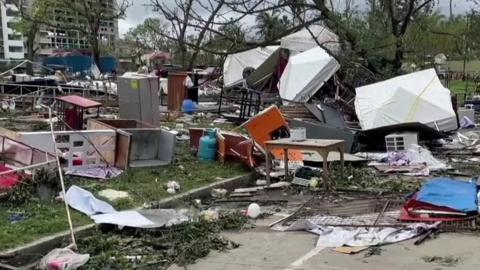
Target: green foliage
<point>159,249</point>
<point>143,185</point>
<point>27,191</point>
<point>271,24</point>
<point>367,179</point>
<point>42,219</point>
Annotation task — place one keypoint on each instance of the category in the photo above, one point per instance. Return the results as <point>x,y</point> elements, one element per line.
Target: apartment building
<point>11,42</point>
<point>55,39</point>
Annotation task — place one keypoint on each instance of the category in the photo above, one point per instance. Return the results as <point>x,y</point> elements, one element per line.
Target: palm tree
<point>270,24</point>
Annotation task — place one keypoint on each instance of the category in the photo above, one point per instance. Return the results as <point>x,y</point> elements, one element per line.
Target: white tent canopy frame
<point>306,73</point>
<point>236,63</point>
<point>303,40</point>
<point>415,97</point>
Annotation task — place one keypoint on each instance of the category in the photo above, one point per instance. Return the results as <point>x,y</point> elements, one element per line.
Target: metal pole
<point>70,224</point>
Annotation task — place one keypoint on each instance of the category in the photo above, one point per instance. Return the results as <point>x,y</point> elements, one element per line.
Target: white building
<point>50,39</point>
<point>11,43</point>
<point>53,39</point>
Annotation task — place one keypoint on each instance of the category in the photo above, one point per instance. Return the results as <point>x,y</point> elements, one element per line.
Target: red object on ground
<point>413,204</point>
<point>9,180</point>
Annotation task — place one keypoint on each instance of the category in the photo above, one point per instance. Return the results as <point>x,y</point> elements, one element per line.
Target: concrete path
<point>263,249</point>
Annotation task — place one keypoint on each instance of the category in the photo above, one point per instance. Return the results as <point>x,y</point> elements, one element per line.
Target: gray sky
<point>137,13</point>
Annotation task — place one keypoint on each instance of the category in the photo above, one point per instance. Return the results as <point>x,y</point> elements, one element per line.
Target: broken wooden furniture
<point>71,111</point>
<point>138,144</point>
<point>323,147</point>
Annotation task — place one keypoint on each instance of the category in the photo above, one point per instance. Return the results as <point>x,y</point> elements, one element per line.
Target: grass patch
<point>462,87</point>
<point>41,219</point>
<point>144,185</point>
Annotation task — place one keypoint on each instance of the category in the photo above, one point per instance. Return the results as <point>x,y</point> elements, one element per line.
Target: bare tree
<point>188,18</point>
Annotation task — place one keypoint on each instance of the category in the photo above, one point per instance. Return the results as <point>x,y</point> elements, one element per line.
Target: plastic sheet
<point>63,259</point>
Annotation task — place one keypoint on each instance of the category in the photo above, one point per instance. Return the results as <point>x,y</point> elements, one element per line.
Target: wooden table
<point>323,147</point>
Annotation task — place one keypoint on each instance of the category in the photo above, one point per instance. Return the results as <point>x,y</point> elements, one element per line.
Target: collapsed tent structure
<point>415,97</point>
<point>306,73</point>
<point>303,40</point>
<point>235,64</point>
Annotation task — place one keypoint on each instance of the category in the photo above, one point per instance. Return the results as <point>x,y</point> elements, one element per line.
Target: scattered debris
<point>63,259</point>
<point>253,210</point>
<point>113,195</point>
<point>219,193</point>
<point>173,187</point>
<point>448,261</point>
<point>373,251</point>
<point>179,245</point>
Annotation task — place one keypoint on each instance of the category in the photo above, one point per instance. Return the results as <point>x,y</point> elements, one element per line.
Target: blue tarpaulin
<point>447,192</point>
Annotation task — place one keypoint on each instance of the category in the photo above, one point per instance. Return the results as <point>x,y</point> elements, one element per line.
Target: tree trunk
<point>397,64</point>
<point>96,51</point>
<point>30,43</point>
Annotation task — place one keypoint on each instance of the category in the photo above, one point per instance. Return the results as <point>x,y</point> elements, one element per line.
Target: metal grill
<point>363,213</point>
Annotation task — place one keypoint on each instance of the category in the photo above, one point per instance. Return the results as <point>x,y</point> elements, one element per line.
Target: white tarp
<point>415,97</point>
<point>236,63</point>
<point>124,218</point>
<point>84,201</point>
<point>355,236</point>
<point>302,40</point>
<point>305,73</point>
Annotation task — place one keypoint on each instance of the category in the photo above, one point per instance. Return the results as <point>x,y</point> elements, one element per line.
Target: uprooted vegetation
<point>159,249</point>
<point>367,179</point>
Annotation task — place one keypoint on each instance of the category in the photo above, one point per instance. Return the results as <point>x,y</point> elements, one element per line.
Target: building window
<point>14,37</point>
<point>12,13</point>
<point>15,49</point>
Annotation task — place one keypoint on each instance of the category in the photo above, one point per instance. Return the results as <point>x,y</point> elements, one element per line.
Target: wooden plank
<point>122,155</point>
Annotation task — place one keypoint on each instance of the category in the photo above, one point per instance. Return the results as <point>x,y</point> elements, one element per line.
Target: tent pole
<point>60,173</point>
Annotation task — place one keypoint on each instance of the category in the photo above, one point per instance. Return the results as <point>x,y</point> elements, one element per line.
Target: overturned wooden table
<point>323,147</point>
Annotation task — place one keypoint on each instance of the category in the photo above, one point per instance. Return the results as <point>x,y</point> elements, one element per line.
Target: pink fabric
<point>10,180</point>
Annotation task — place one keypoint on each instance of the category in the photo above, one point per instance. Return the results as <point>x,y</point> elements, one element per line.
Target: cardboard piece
<point>349,250</point>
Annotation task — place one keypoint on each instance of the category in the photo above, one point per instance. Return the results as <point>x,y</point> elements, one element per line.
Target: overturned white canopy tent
<point>303,40</point>
<point>236,63</point>
<point>415,97</point>
<point>306,73</point>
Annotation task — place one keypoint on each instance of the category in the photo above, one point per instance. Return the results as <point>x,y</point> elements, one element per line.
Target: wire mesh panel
<point>363,212</point>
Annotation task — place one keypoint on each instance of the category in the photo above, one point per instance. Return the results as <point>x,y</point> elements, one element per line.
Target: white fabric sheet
<point>124,218</point>
<point>84,201</point>
<point>415,97</point>
<point>305,74</point>
<point>236,63</point>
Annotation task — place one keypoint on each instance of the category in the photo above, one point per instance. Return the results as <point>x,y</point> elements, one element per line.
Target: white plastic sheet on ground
<point>360,237</point>
<point>103,213</point>
<point>337,236</point>
<point>303,40</point>
<point>124,218</point>
<point>306,73</point>
<point>236,63</point>
<point>415,155</point>
<point>84,201</point>
<point>415,97</point>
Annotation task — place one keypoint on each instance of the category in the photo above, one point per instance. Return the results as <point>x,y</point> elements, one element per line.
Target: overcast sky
<point>137,13</point>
